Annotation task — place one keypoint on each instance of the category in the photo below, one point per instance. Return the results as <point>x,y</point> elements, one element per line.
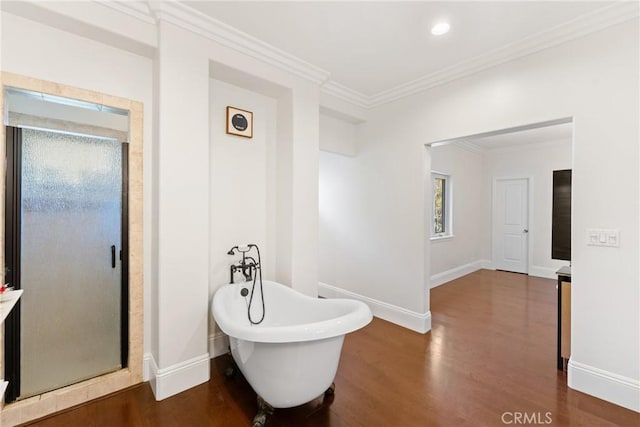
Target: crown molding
<point>333,88</point>
<point>197,22</point>
<point>136,9</point>
<point>581,26</point>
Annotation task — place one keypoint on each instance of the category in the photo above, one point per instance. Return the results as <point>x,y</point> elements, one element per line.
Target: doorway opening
<point>66,242</point>
<point>503,200</point>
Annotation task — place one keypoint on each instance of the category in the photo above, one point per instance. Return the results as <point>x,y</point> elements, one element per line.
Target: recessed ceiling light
<point>440,28</point>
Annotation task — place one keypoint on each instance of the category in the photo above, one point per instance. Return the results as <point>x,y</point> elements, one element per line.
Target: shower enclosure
<point>65,245</point>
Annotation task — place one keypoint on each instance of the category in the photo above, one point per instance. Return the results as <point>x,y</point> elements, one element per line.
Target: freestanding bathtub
<point>292,356</point>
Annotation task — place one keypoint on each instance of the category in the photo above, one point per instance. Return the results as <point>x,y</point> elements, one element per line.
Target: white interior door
<point>511,225</point>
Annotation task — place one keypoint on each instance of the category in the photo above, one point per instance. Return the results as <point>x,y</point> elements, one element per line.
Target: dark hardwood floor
<point>490,355</point>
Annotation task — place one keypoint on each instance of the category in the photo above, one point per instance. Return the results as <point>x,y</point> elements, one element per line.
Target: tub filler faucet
<point>252,271</point>
<point>247,265</point>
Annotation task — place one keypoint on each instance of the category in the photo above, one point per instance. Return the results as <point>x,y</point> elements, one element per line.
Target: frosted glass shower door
<point>71,203</point>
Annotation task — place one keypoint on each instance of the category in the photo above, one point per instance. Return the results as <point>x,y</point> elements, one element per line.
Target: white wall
<point>338,135</point>
<point>36,50</point>
<point>594,80</point>
<point>463,251</point>
<point>242,183</point>
<point>538,163</point>
<point>338,142</point>
<point>297,150</point>
<point>98,21</point>
<point>333,234</point>
<point>358,218</point>
<point>182,358</point>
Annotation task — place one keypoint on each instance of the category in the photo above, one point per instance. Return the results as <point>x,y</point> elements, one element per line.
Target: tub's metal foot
<point>230,372</point>
<point>329,394</point>
<point>330,391</point>
<point>264,410</point>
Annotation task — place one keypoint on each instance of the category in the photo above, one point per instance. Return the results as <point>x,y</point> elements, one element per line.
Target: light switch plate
<point>603,237</point>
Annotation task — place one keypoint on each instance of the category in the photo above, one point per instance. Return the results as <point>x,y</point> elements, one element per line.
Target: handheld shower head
<point>244,248</point>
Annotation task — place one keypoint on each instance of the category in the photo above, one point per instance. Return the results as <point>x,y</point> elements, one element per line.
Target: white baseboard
<point>546,272</point>
<point>454,273</point>
<point>153,368</point>
<point>614,388</point>
<point>177,378</point>
<point>218,344</point>
<point>146,366</point>
<point>463,270</point>
<point>419,322</point>
<point>486,264</point>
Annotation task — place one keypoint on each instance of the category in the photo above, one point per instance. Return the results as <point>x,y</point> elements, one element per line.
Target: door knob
<point>525,230</point>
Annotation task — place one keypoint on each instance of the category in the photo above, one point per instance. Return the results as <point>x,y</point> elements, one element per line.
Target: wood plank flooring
<point>491,353</point>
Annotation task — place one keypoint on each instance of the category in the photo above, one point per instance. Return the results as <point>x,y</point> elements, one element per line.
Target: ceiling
<point>373,47</point>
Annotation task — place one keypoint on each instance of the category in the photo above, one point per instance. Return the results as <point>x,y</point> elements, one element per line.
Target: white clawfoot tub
<point>292,356</point>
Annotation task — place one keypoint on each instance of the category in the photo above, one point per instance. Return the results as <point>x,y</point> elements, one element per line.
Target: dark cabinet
<point>561,216</point>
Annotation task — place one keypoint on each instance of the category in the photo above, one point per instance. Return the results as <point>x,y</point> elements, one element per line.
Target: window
<point>441,185</point>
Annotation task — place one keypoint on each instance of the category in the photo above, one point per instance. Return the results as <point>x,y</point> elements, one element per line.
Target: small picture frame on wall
<point>239,122</point>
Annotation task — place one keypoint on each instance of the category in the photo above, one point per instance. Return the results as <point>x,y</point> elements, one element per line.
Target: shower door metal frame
<point>12,249</point>
<point>12,225</point>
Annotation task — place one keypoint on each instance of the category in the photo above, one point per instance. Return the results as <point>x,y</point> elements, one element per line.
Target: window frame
<point>447,206</point>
